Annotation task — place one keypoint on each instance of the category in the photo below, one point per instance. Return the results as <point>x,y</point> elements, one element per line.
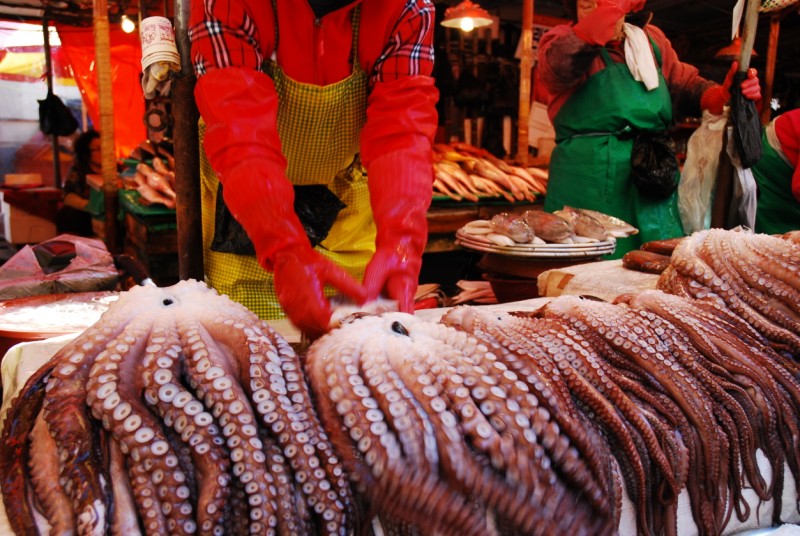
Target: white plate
<point>481,243</point>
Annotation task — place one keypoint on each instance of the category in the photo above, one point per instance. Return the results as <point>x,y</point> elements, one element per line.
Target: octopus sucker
<point>125,519</point>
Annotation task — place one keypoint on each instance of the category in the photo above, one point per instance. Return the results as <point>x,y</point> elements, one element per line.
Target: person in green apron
<point>317,123</point>
<point>608,81</point>
<point>777,175</point>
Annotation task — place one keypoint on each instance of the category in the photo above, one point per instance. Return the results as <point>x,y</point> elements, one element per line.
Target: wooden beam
<point>525,66</point>
<point>105,97</point>
<point>187,156</point>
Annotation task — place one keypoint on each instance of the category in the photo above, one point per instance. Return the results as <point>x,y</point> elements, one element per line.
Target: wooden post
<point>187,155</point>
<point>769,72</point>
<point>105,96</point>
<point>525,66</point>
<point>48,60</point>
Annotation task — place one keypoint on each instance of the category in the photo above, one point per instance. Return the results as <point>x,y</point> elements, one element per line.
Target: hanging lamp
<point>731,52</point>
<point>466,16</point>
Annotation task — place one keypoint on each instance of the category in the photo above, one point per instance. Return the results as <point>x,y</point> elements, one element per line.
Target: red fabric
<point>78,49</point>
<point>599,26</point>
<point>714,99</point>
<point>42,202</point>
<point>561,70</point>
<point>787,129</point>
<point>395,38</point>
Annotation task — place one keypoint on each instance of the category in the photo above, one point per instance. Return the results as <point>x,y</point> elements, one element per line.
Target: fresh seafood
<point>548,227</point>
<point>583,223</point>
<point>664,247</point>
<point>512,226</point>
<point>615,226</point>
<point>645,261</point>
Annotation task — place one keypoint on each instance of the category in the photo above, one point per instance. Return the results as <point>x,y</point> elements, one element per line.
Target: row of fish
<point>462,171</point>
<point>566,226</point>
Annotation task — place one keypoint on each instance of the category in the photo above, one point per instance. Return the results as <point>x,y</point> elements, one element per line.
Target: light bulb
<point>127,24</point>
<point>467,24</point>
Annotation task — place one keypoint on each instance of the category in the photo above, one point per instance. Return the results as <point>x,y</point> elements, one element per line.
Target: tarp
<point>77,49</point>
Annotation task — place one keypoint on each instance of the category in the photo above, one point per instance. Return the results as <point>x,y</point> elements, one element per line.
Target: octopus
<point>179,412</point>
<point>445,436</point>
<point>756,276</point>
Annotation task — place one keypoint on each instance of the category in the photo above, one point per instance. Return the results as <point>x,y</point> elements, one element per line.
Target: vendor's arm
<point>396,150</point>
<point>564,59</point>
<point>787,129</point>
<point>683,79</point>
<point>74,195</point>
<point>239,106</point>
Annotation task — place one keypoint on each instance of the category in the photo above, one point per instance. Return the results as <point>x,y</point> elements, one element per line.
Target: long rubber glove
<point>716,97</point>
<point>396,149</point>
<point>600,26</point>
<point>239,107</point>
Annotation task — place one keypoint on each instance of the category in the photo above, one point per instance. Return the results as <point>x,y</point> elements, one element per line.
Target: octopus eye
<point>167,301</point>
<point>397,327</point>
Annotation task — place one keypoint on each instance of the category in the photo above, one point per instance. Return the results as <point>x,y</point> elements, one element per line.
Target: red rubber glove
<point>716,97</point>
<point>239,107</point>
<point>396,148</point>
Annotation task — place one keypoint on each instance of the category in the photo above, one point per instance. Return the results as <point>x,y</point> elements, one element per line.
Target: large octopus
<point>178,413</point>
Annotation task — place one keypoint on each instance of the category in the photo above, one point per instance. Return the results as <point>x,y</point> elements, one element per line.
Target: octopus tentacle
<point>112,388</point>
<point>43,463</point>
<point>184,414</point>
<point>530,365</point>
<point>210,374</point>
<point>125,520</point>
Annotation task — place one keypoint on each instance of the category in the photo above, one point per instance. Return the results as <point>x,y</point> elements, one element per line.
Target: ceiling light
<point>127,24</point>
<point>466,16</point>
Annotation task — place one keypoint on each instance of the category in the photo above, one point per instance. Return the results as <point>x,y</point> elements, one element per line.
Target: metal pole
<point>48,58</point>
<point>525,66</point>
<point>187,155</point>
<point>105,95</point>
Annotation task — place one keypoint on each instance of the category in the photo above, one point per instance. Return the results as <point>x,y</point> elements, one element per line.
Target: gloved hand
<point>242,144</point>
<point>601,25</point>
<point>300,277</point>
<point>396,148</point>
<point>716,97</point>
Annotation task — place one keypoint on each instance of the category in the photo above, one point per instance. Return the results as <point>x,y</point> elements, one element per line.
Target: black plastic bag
<point>55,118</point>
<point>746,124</point>
<point>315,205</point>
<point>654,167</point>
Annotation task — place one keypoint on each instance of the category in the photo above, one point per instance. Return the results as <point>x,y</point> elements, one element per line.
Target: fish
<point>512,226</point>
<point>548,227</point>
<point>615,226</point>
<point>583,223</point>
<point>664,247</point>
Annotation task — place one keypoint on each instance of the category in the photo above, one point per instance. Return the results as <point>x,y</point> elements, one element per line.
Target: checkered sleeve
<point>223,34</point>
<point>410,49</point>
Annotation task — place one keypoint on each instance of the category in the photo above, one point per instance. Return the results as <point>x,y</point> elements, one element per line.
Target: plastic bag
<point>91,268</point>
<point>699,174</point>
<point>747,124</point>
<point>55,118</point>
<point>744,201</point>
<point>654,168</point>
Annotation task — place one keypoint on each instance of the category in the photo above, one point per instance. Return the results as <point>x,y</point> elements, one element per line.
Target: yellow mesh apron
<point>319,127</point>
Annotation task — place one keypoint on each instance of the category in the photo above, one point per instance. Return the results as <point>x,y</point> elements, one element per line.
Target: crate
<point>21,227</point>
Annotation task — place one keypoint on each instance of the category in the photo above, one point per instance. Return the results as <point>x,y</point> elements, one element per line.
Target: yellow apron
<point>319,127</point>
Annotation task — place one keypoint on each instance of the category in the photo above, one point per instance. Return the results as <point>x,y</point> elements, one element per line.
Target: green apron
<point>591,164</point>
<point>319,127</point>
<point>778,211</point>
